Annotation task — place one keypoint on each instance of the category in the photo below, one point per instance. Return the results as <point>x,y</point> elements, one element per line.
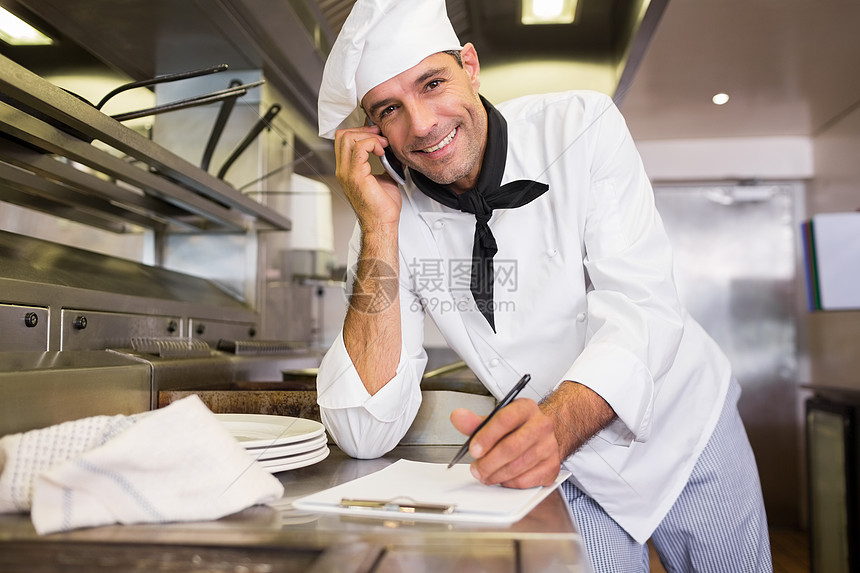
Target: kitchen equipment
<point>218,127</point>
<point>833,454</point>
<point>220,95</point>
<point>263,123</point>
<point>233,92</point>
<point>133,179</point>
<point>160,80</point>
<point>83,333</point>
<point>86,334</point>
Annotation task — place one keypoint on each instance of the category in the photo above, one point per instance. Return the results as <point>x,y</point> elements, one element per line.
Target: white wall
<point>774,158</point>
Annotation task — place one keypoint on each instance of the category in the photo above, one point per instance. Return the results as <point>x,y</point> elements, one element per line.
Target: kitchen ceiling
<point>788,65</point>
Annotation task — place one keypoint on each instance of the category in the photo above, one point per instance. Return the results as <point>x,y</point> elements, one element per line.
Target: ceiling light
<point>548,11</point>
<point>17,32</point>
<point>720,99</point>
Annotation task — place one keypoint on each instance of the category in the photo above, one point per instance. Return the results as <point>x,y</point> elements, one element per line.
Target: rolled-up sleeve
<point>635,319</point>
<point>362,425</point>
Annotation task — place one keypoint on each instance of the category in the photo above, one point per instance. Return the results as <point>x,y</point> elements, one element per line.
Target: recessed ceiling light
<point>548,11</point>
<point>17,32</point>
<point>720,98</point>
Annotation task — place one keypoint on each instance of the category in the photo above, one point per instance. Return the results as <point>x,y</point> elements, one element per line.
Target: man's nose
<point>423,119</point>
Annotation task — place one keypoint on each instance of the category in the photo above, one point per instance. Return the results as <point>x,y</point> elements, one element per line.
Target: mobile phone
<point>391,164</point>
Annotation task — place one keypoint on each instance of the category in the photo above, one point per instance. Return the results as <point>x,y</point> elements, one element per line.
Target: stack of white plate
<point>279,443</point>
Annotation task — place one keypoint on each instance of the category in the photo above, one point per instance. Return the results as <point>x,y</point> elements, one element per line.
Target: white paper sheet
<point>837,252</point>
<point>430,483</point>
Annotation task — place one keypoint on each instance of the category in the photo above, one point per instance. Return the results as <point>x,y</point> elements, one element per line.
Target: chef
<point>527,233</point>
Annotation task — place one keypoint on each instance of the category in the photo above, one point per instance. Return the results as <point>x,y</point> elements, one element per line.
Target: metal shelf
<point>45,127</point>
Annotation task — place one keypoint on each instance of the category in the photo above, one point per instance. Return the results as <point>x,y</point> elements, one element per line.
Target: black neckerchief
<point>487,195</point>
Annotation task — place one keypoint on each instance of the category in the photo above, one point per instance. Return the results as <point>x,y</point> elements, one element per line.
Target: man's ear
<point>469,56</point>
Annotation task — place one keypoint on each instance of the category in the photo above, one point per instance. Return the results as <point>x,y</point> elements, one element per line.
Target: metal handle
<point>161,79</point>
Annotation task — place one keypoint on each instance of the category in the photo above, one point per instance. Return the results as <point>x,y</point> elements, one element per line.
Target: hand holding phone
<point>375,199</point>
<point>391,164</point>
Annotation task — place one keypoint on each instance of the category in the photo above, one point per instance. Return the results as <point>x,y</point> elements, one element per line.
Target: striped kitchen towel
<point>178,463</point>
<point>23,457</point>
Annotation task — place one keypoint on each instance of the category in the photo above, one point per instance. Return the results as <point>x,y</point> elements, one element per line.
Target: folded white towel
<point>175,464</point>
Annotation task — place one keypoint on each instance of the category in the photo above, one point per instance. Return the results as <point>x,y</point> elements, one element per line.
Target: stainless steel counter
<point>280,538</point>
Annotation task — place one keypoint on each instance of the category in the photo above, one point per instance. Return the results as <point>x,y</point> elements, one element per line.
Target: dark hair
<point>456,55</point>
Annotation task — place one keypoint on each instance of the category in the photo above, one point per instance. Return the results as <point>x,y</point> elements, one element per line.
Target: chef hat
<point>379,40</point>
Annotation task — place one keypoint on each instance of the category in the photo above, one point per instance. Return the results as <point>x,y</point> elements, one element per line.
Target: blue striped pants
<point>716,525</point>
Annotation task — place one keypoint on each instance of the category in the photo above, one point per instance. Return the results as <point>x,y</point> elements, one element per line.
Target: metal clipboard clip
<point>398,505</point>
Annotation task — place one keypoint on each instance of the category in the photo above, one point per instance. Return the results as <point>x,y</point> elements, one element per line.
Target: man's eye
<point>385,112</point>
<point>434,84</point>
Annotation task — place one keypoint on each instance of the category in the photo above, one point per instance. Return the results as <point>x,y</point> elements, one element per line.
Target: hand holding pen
<point>515,446</point>
<point>514,392</point>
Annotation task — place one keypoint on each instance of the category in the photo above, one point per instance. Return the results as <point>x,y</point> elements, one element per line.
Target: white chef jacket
<point>583,290</point>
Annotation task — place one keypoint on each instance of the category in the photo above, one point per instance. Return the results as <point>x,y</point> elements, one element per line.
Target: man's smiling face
<point>433,118</point>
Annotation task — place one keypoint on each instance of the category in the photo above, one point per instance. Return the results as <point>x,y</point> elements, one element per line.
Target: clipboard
<point>428,492</point>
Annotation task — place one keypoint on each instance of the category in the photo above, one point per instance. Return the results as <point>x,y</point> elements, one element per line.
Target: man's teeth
<point>442,143</point>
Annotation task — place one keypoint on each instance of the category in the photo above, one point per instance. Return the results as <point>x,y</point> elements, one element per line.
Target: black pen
<point>505,401</point>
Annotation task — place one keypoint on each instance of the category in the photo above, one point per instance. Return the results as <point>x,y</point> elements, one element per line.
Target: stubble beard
<point>447,174</point>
